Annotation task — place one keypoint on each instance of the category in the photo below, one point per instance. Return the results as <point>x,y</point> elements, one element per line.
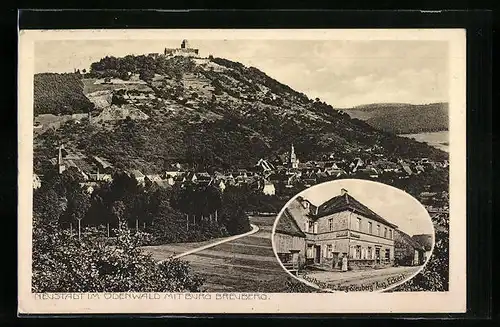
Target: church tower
<point>293,159</point>
<point>60,163</point>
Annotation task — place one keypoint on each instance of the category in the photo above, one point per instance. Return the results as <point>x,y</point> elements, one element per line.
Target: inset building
<point>343,226</point>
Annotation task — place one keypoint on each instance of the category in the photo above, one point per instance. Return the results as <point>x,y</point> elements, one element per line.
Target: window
<point>358,252</point>
<point>378,230</point>
<point>370,227</point>
<point>330,224</point>
<point>311,227</point>
<point>388,254</point>
<point>310,251</point>
<point>385,232</point>
<point>370,253</point>
<point>390,234</point>
<point>329,252</point>
<point>358,223</point>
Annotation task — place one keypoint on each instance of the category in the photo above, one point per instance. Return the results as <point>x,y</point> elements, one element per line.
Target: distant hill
<point>59,94</point>
<point>403,118</point>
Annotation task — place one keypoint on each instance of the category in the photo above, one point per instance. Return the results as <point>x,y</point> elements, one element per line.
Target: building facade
<point>408,252</point>
<point>342,226</point>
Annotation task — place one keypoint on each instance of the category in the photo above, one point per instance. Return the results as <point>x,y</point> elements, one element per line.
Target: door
<point>317,257</point>
<point>377,255</point>
<point>335,260</point>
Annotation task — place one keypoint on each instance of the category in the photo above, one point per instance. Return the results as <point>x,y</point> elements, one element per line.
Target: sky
<point>392,204</point>
<point>342,73</point>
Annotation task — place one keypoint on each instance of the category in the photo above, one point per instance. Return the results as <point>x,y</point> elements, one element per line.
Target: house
<point>170,180</point>
<point>289,241</point>
<point>367,172</point>
<point>406,168</point>
<point>190,177</point>
<point>408,252</point>
<point>268,188</point>
<point>163,184</point>
<point>37,182</point>
<point>265,165</point>
<point>173,173</point>
<point>89,187</point>
<point>356,164</point>
<point>203,178</point>
<point>103,164</point>
<point>98,177</point>
<point>426,241</point>
<point>335,172</point>
<point>153,178</point>
<point>219,183</point>
<point>139,177</point>
<point>343,226</point>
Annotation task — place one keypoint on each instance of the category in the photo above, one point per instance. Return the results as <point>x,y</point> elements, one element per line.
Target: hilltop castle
<point>184,50</point>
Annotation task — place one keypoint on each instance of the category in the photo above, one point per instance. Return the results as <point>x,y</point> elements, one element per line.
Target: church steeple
<point>60,163</point>
<point>293,158</point>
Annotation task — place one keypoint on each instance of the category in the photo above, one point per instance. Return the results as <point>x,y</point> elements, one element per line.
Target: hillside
<point>402,118</point>
<point>59,94</point>
<point>214,113</point>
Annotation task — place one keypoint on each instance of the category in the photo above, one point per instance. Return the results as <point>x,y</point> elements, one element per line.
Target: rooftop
<point>347,202</point>
<point>287,225</point>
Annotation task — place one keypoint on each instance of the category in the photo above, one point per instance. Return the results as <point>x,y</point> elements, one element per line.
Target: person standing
<point>344,263</point>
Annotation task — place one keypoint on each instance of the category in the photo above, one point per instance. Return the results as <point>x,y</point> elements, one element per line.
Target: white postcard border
<point>400,302</point>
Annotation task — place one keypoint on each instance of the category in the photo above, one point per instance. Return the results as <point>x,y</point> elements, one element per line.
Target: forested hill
<point>215,112</point>
<point>403,118</point>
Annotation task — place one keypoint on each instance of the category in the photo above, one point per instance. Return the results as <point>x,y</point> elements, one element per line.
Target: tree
<point>63,264</point>
<point>146,75</point>
<point>78,205</point>
<point>233,212</point>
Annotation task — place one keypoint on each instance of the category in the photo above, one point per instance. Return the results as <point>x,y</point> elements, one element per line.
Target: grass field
<point>246,264</point>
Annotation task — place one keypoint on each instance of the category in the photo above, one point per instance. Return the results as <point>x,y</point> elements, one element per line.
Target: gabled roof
<point>162,184</point>
<point>136,173</point>
<point>409,240</point>
<point>287,225</point>
<point>347,202</point>
<point>425,240</point>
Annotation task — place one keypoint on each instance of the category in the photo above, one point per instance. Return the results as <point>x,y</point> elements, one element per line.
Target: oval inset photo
<point>353,235</point>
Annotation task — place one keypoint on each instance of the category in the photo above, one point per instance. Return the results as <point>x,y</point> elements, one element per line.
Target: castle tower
<point>184,44</point>
<point>60,163</point>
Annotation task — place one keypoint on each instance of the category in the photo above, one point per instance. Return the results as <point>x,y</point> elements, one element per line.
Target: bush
<point>62,263</point>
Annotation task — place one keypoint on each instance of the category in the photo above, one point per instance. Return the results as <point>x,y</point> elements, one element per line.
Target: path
<point>246,264</point>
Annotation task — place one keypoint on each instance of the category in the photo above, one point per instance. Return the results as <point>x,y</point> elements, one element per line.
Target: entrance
<point>335,260</point>
<point>317,257</point>
<point>377,255</point>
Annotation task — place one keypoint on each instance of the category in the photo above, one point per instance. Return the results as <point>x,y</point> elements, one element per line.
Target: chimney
<point>343,191</point>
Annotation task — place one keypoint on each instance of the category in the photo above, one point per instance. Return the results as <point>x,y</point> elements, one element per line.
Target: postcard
<point>242,171</point>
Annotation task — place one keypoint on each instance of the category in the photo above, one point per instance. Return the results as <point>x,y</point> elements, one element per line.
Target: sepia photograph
<point>222,164</point>
<point>353,235</point>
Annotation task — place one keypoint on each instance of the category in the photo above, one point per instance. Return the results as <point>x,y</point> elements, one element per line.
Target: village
<point>280,176</point>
